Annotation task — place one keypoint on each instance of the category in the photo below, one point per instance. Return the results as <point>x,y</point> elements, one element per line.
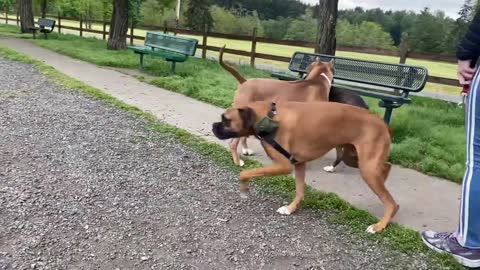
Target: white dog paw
<point>247,152</point>
<point>371,229</point>
<point>241,163</point>
<point>244,195</point>
<point>329,169</point>
<point>284,211</point>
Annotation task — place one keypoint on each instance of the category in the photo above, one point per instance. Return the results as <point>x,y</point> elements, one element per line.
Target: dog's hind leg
<point>233,150</point>
<point>331,168</point>
<point>375,171</point>
<point>245,150</point>
<point>350,156</point>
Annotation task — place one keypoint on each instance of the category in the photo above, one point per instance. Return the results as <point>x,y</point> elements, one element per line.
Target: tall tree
<point>44,8</point>
<point>5,5</point>
<point>459,28</point>
<point>327,22</point>
<point>117,36</point>
<point>429,32</point>
<point>26,15</point>
<point>198,15</point>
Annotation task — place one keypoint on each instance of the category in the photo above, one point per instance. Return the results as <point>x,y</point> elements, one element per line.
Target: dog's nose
<point>216,129</point>
<point>219,131</point>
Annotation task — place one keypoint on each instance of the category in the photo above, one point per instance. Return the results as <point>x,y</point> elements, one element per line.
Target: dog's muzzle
<point>220,132</point>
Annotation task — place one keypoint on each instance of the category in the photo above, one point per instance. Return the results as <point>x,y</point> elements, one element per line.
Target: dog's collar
<point>328,80</point>
<point>268,138</point>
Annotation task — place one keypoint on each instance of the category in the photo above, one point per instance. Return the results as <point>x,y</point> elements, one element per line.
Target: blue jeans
<point>468,233</point>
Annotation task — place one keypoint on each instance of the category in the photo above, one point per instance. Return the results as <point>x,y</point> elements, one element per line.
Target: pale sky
<point>450,7</point>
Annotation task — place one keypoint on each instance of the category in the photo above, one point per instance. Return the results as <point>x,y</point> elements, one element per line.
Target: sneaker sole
<point>463,261</point>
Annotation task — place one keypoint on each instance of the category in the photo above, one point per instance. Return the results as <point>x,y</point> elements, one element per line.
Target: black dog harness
<point>266,130</point>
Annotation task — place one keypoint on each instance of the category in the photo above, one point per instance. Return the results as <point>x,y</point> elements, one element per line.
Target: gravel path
<point>86,186</point>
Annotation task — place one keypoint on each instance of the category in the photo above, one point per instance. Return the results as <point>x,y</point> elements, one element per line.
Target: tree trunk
<point>44,8</point>
<point>117,36</point>
<point>90,16</point>
<point>26,15</point>
<point>327,22</point>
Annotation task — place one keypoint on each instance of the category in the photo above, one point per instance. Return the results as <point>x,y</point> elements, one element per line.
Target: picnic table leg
<point>388,114</point>
<point>141,61</point>
<point>173,67</point>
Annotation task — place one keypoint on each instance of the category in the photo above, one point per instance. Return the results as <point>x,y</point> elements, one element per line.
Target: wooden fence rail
<point>402,53</point>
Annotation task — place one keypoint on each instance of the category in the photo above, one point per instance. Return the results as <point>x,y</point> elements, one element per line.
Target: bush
<point>225,21</point>
<point>366,34</point>
<point>304,29</point>
<point>276,29</point>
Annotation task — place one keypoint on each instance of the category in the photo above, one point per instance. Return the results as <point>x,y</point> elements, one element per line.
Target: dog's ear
<point>248,117</point>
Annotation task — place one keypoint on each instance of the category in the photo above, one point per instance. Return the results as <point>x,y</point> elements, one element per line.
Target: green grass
<point>10,31</point>
<point>440,69</point>
<point>329,205</point>
<point>429,134</point>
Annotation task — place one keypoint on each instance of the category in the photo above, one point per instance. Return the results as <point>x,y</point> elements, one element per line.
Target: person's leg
<point>464,244</point>
<point>468,233</point>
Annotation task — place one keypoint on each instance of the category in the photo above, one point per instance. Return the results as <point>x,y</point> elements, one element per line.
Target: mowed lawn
<point>429,134</point>
<point>440,69</point>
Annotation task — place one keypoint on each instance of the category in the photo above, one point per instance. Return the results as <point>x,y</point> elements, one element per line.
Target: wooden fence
<point>403,53</point>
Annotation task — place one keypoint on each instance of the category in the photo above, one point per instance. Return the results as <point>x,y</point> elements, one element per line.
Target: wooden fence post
<point>404,48</point>
<point>18,18</point>
<point>131,32</point>
<point>104,30</point>
<point>177,24</point>
<point>403,58</point>
<point>81,26</point>
<point>175,30</point>
<point>204,43</point>
<point>59,24</point>
<point>254,47</point>
<point>165,27</point>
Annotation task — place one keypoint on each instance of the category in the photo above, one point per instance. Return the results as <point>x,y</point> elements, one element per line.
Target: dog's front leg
<point>233,150</point>
<point>245,150</point>
<point>274,169</point>
<point>299,191</point>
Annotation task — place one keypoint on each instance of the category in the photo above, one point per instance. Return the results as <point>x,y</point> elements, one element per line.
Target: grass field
<point>440,69</point>
<point>429,134</point>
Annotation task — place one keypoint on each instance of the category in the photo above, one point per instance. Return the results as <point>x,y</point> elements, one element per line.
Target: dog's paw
<point>241,163</point>
<point>371,229</point>
<point>244,195</point>
<point>329,169</point>
<point>374,229</point>
<point>247,152</point>
<point>284,211</point>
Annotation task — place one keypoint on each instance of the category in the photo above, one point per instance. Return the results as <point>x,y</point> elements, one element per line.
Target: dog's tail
<point>230,69</point>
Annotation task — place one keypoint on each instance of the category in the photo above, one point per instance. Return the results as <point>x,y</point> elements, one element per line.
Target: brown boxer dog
<point>294,133</point>
<point>315,87</point>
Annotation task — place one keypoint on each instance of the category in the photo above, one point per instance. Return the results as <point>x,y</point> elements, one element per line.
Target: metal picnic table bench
<point>172,48</point>
<point>391,83</point>
<point>45,26</point>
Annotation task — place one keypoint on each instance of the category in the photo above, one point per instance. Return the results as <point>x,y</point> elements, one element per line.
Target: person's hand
<point>465,72</point>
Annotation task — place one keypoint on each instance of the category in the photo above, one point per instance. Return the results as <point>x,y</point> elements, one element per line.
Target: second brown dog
<point>316,87</point>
